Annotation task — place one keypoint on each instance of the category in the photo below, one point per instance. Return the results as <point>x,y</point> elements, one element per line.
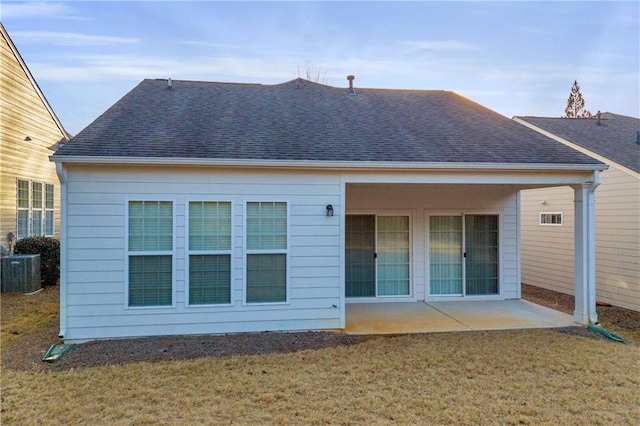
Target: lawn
<point>493,377</point>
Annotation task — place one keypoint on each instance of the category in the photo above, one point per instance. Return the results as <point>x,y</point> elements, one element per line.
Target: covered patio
<point>443,316</point>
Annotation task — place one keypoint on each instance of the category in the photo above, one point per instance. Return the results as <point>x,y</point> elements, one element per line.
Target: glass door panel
<point>393,255</point>
<point>445,255</point>
<point>360,266</point>
<point>481,247</point>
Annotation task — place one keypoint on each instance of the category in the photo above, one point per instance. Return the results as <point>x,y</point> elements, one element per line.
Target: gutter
<point>326,165</point>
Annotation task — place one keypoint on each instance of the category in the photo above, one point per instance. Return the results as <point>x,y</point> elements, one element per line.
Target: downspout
<point>594,325</point>
<point>62,177</point>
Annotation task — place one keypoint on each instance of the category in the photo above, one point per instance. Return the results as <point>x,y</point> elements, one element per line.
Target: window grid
<point>23,209</point>
<point>551,218</point>
<point>35,209</point>
<point>150,254</point>
<point>49,219</point>
<point>209,252</point>
<point>267,248</point>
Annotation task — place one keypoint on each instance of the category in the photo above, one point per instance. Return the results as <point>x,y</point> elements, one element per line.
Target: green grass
<point>493,377</point>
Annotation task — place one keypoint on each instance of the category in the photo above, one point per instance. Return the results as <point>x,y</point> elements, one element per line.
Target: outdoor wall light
<point>329,210</point>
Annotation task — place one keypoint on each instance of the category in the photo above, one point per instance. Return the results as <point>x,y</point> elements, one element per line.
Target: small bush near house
<point>49,251</point>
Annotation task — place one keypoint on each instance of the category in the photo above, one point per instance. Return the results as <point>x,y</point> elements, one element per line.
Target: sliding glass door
<point>377,256</point>
<point>463,255</point>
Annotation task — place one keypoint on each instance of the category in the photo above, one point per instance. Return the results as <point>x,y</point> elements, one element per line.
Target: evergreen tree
<point>575,104</point>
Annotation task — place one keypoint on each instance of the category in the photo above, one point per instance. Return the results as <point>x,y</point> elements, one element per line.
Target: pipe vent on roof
<point>169,84</point>
<point>351,90</point>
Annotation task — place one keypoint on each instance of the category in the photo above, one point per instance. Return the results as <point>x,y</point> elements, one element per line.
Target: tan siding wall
<point>547,252</point>
<point>22,114</point>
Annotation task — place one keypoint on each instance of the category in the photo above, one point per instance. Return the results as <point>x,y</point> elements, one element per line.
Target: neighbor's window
<point>23,209</point>
<point>554,218</point>
<point>267,244</point>
<point>36,210</point>
<point>209,253</point>
<point>150,253</point>
<point>49,210</point>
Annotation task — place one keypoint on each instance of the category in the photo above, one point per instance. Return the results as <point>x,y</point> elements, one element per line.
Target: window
<point>150,253</point>
<point>266,245</point>
<point>36,209</point>
<point>553,219</point>
<point>209,253</point>
<point>49,210</point>
<point>23,209</point>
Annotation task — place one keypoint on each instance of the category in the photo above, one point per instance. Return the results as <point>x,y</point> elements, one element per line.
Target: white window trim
<point>128,253</point>
<point>551,224</point>
<point>206,252</point>
<point>246,252</point>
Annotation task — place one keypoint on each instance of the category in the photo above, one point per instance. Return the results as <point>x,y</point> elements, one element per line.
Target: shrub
<point>49,251</point>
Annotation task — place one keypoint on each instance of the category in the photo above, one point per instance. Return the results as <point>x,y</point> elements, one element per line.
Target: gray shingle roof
<point>302,120</point>
<point>614,138</point>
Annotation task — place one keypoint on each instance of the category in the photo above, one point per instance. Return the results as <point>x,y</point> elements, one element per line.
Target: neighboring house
<point>29,134</point>
<point>195,207</point>
<point>547,214</point>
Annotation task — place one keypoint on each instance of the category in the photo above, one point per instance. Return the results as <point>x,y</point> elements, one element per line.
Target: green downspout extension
<point>598,329</point>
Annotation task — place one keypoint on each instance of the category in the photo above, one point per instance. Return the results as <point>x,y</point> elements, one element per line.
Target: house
<point>198,207</point>
<point>29,133</point>
<point>547,214</point>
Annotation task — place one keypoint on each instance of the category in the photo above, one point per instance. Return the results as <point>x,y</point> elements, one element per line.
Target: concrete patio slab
<point>421,317</point>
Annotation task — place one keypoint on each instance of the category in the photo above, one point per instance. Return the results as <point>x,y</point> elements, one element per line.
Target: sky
<point>514,57</point>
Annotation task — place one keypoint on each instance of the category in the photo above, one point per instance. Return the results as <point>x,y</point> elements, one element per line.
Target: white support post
<point>585,253</point>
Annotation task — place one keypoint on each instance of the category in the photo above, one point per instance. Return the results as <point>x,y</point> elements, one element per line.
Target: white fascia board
<point>577,147</point>
<point>327,165</point>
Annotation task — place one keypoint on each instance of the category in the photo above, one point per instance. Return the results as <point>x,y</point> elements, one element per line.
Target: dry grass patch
<point>493,377</point>
<point>22,314</point>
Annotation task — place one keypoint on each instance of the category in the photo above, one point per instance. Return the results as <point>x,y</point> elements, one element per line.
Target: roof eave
<point>324,165</point>
<point>577,147</point>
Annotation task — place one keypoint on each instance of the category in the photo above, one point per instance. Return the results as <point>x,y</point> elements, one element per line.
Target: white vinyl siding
<point>267,244</point>
<point>150,250</point>
<point>209,281</point>
<point>96,254</point>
